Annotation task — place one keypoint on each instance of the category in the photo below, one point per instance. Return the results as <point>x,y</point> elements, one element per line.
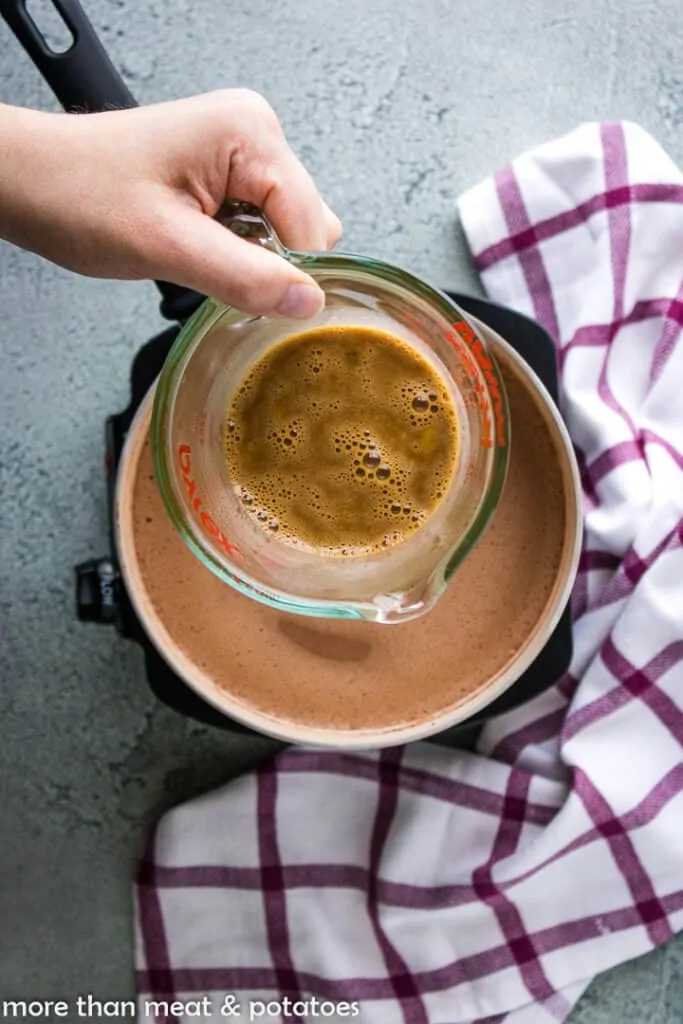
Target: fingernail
<point>301,301</point>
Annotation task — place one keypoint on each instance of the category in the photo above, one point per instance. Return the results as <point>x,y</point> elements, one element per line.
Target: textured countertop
<point>396,106</point>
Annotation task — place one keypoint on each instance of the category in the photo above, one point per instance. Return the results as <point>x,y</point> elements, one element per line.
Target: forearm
<point>28,139</point>
<point>58,194</point>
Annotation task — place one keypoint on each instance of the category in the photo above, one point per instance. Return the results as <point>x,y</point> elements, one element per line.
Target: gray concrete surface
<point>396,106</point>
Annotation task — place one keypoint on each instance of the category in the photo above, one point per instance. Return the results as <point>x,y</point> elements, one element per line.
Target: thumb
<point>203,255</point>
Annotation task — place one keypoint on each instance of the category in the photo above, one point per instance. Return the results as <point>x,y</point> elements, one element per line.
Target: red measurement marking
<point>185,463</point>
<point>462,330</point>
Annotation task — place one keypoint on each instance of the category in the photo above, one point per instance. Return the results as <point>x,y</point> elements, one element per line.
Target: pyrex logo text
<point>185,463</point>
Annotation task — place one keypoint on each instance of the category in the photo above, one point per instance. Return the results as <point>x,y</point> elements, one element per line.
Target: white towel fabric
<point>430,887</point>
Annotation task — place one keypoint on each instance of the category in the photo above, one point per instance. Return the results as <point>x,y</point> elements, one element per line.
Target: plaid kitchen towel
<point>422,886</point>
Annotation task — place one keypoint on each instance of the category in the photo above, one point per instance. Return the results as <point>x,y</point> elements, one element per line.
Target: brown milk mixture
<point>357,675</point>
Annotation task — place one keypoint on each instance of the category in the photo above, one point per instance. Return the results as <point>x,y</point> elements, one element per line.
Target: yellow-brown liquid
<point>342,440</point>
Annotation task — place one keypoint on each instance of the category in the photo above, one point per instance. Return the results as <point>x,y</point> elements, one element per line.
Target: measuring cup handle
<point>250,222</point>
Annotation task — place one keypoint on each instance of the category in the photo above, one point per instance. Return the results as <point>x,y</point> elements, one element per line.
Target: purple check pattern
<point>432,887</point>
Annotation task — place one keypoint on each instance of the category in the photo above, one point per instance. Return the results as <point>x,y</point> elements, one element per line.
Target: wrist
<point>32,150</point>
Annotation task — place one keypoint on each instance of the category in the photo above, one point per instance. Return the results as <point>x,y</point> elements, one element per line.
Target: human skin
<point>131,194</point>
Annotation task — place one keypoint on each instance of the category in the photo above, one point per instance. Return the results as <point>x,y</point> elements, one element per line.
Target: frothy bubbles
<point>341,438</point>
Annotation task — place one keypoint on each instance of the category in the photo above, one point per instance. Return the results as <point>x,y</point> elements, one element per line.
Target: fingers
<point>234,147</point>
<point>265,171</point>
<point>293,204</point>
<point>201,254</point>
<point>333,227</point>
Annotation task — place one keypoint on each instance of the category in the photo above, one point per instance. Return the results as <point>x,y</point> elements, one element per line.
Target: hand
<point>132,193</point>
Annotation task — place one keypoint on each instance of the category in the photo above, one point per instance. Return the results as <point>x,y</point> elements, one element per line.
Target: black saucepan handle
<point>84,80</point>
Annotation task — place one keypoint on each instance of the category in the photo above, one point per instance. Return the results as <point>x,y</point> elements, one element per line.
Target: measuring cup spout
<point>410,604</point>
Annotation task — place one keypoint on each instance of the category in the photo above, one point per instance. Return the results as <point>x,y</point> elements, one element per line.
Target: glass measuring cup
<point>207,363</point>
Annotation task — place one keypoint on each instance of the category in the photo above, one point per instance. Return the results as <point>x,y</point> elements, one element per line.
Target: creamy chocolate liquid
<point>357,675</point>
